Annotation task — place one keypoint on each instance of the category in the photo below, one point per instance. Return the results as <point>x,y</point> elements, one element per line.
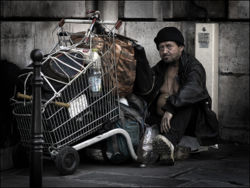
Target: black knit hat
<point>169,34</point>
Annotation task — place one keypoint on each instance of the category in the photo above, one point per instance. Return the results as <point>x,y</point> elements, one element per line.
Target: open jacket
<point>192,91</point>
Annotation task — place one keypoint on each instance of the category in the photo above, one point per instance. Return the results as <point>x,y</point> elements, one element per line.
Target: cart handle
<point>61,23</point>
<point>29,97</point>
<point>118,24</point>
<point>23,96</point>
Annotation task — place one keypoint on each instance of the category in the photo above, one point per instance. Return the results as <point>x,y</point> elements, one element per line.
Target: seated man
<point>179,101</point>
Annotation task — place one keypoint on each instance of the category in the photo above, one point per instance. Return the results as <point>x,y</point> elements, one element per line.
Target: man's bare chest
<point>170,84</point>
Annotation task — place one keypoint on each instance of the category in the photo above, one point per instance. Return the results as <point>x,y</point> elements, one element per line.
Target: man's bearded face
<point>170,52</point>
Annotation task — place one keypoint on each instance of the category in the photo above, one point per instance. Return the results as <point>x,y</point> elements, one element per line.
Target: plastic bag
<point>145,150</point>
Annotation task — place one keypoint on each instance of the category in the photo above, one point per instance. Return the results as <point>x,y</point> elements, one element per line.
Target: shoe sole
<point>162,146</point>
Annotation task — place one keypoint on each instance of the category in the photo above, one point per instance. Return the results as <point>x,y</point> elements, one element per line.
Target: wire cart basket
<point>79,96</point>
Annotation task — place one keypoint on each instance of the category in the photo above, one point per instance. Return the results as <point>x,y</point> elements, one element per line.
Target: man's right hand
<point>165,122</point>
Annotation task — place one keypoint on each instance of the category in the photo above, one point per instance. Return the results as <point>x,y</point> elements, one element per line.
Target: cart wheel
<point>20,156</point>
<point>67,160</point>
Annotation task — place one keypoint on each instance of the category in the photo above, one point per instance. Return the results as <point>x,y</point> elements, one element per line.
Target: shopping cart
<point>79,95</point>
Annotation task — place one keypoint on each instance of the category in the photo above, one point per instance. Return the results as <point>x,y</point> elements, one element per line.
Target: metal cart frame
<point>72,113</point>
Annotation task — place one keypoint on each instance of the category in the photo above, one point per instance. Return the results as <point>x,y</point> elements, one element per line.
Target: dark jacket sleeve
<point>144,75</point>
<point>192,89</point>
<point>157,80</point>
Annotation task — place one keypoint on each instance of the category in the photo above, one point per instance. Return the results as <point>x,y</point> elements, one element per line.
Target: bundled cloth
<point>132,66</point>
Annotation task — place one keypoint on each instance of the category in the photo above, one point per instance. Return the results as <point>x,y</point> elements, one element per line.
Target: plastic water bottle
<point>95,77</point>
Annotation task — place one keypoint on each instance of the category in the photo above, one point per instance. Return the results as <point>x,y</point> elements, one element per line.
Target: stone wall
<point>234,81</point>
<point>26,25</point>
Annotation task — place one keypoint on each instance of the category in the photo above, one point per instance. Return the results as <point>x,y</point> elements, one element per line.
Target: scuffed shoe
<point>163,147</point>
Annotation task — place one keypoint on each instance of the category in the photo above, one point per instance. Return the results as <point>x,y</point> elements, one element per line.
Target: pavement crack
<point>235,183</point>
<point>180,173</point>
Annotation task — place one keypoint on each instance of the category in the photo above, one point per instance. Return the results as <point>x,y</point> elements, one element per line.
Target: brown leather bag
<point>122,50</point>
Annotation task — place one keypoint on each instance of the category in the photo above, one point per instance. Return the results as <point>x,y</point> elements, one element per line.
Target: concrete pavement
<point>227,166</point>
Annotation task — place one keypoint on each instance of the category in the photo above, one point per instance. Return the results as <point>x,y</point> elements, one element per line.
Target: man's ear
<point>181,48</point>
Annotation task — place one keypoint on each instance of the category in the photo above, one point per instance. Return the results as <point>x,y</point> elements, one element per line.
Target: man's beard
<point>170,61</point>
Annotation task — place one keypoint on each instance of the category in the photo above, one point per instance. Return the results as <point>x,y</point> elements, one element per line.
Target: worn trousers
<point>182,123</point>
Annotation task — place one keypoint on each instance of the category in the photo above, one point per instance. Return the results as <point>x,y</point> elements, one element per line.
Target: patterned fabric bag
<point>122,52</point>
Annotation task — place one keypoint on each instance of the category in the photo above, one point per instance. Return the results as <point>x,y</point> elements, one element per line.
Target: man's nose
<point>165,49</point>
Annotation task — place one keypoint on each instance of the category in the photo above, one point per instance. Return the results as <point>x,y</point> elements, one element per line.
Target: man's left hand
<point>165,122</point>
